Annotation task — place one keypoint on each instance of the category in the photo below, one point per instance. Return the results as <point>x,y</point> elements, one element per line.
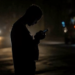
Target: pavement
<point>55,58</point>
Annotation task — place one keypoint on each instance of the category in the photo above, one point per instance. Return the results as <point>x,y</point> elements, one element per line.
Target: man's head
<point>33,14</point>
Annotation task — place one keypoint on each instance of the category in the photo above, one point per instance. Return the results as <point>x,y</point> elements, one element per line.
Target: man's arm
<point>36,55</point>
<point>36,49</point>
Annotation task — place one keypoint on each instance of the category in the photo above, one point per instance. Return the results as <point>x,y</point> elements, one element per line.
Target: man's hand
<point>39,35</point>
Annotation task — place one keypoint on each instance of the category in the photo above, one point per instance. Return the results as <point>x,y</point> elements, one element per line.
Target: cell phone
<point>45,30</point>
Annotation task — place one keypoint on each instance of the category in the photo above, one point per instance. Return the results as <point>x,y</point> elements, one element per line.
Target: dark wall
<point>54,12</point>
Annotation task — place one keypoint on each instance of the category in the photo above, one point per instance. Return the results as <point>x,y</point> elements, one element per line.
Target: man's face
<point>32,23</point>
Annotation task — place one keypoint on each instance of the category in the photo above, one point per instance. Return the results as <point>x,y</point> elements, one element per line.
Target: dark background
<point>54,12</point>
<point>55,58</point>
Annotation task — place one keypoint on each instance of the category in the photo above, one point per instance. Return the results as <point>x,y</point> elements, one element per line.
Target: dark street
<point>56,16</point>
<point>54,59</point>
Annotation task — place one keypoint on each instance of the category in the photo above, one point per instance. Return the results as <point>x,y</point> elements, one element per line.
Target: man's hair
<point>34,11</point>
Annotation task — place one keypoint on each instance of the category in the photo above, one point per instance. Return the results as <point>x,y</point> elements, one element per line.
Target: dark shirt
<point>24,48</point>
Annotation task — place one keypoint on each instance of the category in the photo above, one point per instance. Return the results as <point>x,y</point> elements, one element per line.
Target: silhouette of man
<point>24,47</point>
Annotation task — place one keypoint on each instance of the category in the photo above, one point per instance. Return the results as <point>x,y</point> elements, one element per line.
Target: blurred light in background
<point>65,30</point>
<point>4,27</point>
<point>0,31</point>
<point>63,23</point>
<point>73,20</point>
<point>1,38</point>
<point>74,26</point>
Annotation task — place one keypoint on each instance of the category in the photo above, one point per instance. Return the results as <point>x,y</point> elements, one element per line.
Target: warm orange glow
<point>1,38</point>
<point>74,26</point>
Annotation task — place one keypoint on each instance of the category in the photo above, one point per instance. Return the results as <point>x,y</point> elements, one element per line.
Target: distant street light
<point>0,31</point>
<point>65,30</point>
<point>63,24</point>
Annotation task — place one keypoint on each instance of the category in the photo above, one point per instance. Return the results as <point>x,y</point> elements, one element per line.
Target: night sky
<point>54,11</point>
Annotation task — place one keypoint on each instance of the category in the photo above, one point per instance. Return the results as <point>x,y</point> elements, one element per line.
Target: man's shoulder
<point>19,29</point>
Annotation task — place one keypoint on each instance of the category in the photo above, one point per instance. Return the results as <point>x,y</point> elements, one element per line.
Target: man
<point>24,48</point>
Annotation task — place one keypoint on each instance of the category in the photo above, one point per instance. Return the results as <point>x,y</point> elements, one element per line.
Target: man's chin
<point>30,24</point>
